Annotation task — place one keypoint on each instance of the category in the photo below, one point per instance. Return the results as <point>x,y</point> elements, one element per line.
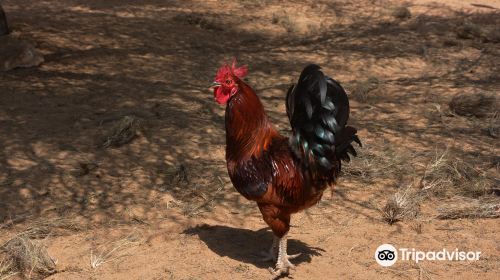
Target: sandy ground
<point>162,206</point>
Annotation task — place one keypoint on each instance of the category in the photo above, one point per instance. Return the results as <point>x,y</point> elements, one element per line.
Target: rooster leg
<point>283,264</point>
<point>271,255</point>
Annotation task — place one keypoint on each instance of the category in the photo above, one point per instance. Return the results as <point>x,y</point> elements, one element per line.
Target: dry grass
<point>26,252</point>
<point>444,176</point>
<point>178,175</point>
<point>114,250</point>
<point>378,162</point>
<point>123,132</point>
<point>28,257</point>
<point>469,30</point>
<point>191,210</point>
<point>200,20</point>
<point>403,205</point>
<point>284,20</point>
<point>417,226</point>
<point>493,35</point>
<point>7,268</point>
<point>467,185</point>
<point>431,179</point>
<point>478,104</point>
<point>451,176</point>
<point>423,273</point>
<point>43,228</point>
<point>493,127</point>
<point>487,207</point>
<point>361,89</point>
<point>481,30</point>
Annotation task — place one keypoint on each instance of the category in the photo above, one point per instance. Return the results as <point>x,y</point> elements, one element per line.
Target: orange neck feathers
<point>248,130</point>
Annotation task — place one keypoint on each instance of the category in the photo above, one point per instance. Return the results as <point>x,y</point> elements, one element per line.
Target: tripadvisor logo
<point>387,255</point>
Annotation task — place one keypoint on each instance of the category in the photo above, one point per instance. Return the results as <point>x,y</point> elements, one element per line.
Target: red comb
<point>239,72</point>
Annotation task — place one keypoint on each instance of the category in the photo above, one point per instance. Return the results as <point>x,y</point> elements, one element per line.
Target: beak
<point>214,85</point>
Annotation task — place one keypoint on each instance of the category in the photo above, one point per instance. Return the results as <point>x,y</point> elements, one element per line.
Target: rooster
<point>284,175</point>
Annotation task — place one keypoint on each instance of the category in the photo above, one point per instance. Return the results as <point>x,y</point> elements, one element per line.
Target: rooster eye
<point>228,82</point>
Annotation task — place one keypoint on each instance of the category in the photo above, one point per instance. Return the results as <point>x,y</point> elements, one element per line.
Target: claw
<point>291,257</point>
<point>283,264</point>
<point>277,273</point>
<point>283,270</point>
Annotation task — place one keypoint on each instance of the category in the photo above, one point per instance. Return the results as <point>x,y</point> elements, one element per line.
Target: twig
<point>208,201</point>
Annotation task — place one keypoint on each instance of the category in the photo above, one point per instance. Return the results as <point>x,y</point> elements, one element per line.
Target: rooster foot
<point>283,266</point>
<point>271,256</point>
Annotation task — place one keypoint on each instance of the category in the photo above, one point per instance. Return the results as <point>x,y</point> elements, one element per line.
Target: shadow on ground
<point>246,245</point>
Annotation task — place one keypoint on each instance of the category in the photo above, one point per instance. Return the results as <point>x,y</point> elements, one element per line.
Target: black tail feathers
<point>318,109</point>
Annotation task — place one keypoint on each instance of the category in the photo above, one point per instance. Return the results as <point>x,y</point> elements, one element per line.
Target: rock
<point>474,104</point>
<point>469,30</point>
<point>16,53</point>
<point>4,28</point>
<point>401,13</point>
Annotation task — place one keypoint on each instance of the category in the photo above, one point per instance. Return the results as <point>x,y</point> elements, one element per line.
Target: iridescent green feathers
<point>318,110</point>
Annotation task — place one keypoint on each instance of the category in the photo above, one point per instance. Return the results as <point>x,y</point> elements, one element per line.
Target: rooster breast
<point>275,177</point>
